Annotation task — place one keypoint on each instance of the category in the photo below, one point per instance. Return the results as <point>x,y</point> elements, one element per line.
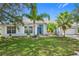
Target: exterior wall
<point>69,32</point>
<point>2,29</point>
<point>44,29</point>
<point>20,31</point>
<point>35,29</point>
<point>72,30</point>
<point>59,32</point>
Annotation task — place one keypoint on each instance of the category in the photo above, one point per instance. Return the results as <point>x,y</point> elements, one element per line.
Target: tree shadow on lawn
<point>40,47</point>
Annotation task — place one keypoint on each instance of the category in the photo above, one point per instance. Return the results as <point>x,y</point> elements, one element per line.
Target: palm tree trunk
<point>34,27</point>
<point>76,27</point>
<point>64,33</point>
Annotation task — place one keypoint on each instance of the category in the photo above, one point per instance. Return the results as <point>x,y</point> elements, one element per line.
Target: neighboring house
<point>27,29</point>
<point>71,32</point>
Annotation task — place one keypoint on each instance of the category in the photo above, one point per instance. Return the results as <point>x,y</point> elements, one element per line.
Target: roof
<point>27,21</point>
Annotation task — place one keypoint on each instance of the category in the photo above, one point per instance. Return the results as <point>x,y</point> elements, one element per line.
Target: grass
<point>49,46</point>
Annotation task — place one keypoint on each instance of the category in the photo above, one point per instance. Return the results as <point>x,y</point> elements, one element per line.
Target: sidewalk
<point>73,36</point>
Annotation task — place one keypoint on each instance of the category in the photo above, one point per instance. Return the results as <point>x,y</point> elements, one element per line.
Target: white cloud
<point>65,5</point>
<point>62,5</point>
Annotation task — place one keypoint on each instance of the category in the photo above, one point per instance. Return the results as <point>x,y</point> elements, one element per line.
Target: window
<point>28,29</point>
<point>11,29</point>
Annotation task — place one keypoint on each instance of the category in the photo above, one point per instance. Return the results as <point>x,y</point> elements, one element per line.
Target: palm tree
<point>34,16</point>
<point>64,21</point>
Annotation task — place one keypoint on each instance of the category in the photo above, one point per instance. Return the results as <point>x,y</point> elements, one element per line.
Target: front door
<point>40,29</point>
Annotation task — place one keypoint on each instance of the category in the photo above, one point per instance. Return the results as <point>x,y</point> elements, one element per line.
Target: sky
<point>53,9</point>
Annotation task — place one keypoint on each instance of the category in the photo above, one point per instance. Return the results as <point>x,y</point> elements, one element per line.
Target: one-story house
<point>40,29</point>
<point>26,29</point>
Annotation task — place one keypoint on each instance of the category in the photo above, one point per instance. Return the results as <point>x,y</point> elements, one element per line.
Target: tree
<point>33,15</point>
<point>10,13</point>
<point>52,27</point>
<point>64,21</point>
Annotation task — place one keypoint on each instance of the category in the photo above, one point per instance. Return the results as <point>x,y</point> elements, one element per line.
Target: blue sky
<point>53,9</point>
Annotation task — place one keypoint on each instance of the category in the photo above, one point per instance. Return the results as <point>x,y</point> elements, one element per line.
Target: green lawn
<point>49,46</point>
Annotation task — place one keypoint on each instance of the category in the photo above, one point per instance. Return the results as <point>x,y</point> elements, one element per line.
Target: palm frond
<point>64,20</point>
<point>28,16</point>
<point>39,18</point>
<point>44,15</point>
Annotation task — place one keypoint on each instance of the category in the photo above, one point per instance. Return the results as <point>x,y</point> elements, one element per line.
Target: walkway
<point>77,53</point>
